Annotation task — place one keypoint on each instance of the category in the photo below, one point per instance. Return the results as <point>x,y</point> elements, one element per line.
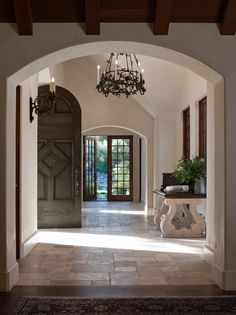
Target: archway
<point>140,157</point>
<point>215,95</point>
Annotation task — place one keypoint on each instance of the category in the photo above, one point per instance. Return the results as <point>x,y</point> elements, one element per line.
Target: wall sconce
<point>43,104</point>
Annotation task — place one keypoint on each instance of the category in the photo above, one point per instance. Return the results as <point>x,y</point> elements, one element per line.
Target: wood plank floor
<point>8,301</point>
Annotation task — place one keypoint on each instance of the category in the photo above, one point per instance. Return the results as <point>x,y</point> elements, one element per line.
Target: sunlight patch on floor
<point>123,212</point>
<point>118,242</point>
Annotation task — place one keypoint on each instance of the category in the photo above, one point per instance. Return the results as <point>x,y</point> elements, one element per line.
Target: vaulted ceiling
<point>168,85</point>
<point>160,13</point>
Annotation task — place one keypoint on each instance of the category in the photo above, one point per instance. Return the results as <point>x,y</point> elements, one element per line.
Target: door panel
<point>120,168</point>
<point>59,170</point>
<point>90,168</point>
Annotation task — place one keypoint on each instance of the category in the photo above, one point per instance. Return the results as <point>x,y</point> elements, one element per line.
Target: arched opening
<point>215,163</point>
<point>139,158</point>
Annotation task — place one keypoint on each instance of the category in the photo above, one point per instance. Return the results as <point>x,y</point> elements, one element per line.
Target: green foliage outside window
<point>120,166</point>
<point>102,154</point>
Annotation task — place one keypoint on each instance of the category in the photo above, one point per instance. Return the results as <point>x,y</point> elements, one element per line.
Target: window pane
<point>120,178</point>
<point>120,149</point>
<point>126,184</point>
<point>126,164</point>
<point>126,156</point>
<point>114,177</point>
<point>120,141</point>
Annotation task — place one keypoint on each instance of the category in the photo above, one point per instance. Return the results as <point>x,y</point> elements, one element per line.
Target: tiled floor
<point>118,245</point>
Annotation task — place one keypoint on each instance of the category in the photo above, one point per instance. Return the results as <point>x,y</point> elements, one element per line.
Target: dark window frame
<point>203,129</point>
<point>186,133</point>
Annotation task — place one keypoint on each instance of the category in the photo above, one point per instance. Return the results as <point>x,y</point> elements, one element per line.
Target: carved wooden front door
<point>59,163</point>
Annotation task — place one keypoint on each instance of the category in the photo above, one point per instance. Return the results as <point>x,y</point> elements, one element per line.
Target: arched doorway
<point>139,157</point>
<point>215,94</point>
<point>59,162</point>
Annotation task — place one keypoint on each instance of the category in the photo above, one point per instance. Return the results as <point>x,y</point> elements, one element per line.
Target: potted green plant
<point>189,170</point>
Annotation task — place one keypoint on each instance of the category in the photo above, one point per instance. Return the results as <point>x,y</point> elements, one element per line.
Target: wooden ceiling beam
<point>228,24</point>
<point>162,17</point>
<point>23,16</point>
<point>92,17</point>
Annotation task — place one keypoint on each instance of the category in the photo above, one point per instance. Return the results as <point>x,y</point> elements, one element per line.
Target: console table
<point>178,215</point>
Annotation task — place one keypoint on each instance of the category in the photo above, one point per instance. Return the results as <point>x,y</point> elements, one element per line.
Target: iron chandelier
<point>123,75</point>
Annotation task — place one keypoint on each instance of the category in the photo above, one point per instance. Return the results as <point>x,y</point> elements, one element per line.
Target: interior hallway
<point>117,246</point>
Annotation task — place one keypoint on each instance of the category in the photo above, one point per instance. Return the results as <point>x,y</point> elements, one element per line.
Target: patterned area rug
<point>117,306</point>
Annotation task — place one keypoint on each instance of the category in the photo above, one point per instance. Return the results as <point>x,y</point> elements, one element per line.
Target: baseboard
<point>209,255</point>
<point>226,280</point>
<point>28,245</point>
<point>9,278</point>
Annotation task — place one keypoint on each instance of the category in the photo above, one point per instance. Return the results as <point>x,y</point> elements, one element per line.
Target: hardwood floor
<point>8,301</point>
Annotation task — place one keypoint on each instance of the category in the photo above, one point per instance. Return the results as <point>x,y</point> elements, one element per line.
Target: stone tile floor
<point>117,245</point>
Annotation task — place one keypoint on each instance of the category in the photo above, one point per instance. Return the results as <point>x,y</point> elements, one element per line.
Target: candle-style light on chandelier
<point>123,75</point>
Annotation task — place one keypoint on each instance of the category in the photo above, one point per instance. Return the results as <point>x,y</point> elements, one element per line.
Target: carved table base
<point>178,217</point>
<point>163,209</point>
<point>195,229</point>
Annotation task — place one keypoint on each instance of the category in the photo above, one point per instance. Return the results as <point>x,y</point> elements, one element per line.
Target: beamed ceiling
<point>160,13</point>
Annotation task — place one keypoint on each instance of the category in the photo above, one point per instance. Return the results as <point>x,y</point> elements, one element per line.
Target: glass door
<point>120,168</point>
<point>90,168</point>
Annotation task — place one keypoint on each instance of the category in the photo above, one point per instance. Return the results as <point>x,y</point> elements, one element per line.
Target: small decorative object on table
<point>189,170</point>
<point>176,188</point>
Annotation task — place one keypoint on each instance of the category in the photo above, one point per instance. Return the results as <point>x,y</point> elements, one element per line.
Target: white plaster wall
<point>167,143</point>
<point>28,166</point>
<point>143,169</point>
<point>44,77</point>
<point>217,237</point>
<point>110,131</point>
<point>3,213</point>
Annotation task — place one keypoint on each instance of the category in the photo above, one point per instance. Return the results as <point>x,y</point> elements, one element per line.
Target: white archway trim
<point>115,126</point>
<point>216,182</point>
<point>106,47</point>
